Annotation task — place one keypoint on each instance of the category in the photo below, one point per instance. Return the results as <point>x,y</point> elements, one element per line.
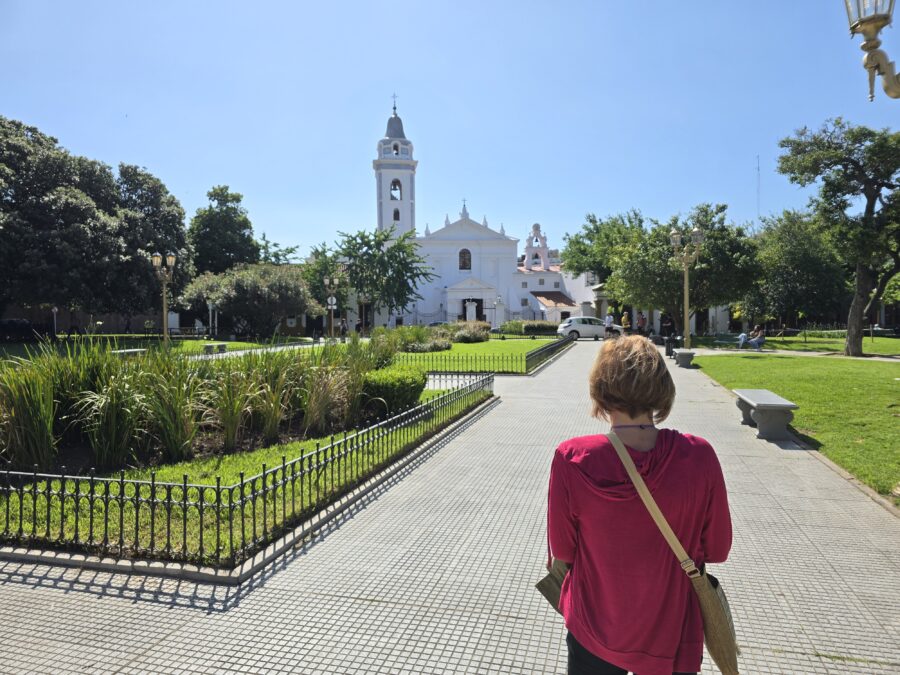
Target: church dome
<point>394,127</point>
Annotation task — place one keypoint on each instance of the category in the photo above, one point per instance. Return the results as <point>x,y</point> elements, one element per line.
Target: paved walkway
<point>435,573</point>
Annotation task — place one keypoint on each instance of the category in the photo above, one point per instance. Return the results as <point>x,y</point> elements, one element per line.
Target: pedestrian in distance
<point>344,328</point>
<point>608,324</point>
<point>641,324</point>
<point>756,338</point>
<point>626,323</point>
<point>627,603</point>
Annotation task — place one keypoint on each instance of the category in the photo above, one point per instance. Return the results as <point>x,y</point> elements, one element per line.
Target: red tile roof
<point>553,298</point>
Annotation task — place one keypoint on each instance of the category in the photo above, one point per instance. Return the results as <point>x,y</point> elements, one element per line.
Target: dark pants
<point>582,662</point>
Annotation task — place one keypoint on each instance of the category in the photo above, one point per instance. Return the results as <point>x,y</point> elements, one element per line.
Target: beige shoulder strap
<point>686,563</point>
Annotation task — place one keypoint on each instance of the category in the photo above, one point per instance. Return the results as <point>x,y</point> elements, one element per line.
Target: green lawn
<point>879,346</point>
<point>849,409</point>
<point>499,356</point>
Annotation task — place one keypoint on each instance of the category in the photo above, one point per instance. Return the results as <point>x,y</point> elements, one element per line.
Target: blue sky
<point>532,111</point>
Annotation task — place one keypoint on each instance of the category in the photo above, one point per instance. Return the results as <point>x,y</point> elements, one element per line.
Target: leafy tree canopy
<point>591,249</point>
<point>221,234</point>
<point>858,172</point>
<point>274,253</point>
<point>385,272</point>
<point>74,234</point>
<point>259,296</point>
<point>800,273</point>
<point>645,273</point>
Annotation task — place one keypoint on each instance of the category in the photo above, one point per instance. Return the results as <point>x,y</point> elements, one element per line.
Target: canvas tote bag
<point>718,625</point>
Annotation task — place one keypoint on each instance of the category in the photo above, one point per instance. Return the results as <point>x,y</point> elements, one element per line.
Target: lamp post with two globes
<point>687,255</point>
<point>165,275</point>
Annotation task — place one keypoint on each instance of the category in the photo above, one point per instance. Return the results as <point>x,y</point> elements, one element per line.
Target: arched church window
<point>396,190</point>
<point>396,215</point>
<point>396,149</point>
<point>465,259</point>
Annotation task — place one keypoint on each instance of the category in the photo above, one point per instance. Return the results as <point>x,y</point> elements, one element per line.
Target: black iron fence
<point>218,525</point>
<point>447,361</point>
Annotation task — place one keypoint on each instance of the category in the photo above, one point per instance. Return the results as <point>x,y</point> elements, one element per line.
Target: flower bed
<point>213,523</point>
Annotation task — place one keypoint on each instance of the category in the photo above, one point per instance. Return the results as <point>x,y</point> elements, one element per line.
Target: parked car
<point>434,324</point>
<point>585,326</point>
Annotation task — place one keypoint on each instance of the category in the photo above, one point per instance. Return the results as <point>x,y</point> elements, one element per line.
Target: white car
<point>585,326</point>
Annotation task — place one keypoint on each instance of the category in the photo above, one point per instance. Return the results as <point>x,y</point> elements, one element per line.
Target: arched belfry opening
<point>396,190</point>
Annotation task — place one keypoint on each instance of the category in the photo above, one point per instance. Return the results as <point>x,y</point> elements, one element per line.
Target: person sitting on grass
<point>755,339</point>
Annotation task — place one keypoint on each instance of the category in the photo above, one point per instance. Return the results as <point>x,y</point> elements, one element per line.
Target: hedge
<point>394,388</point>
<point>539,327</point>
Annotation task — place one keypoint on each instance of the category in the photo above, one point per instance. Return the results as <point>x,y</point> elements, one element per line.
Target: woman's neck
<point>637,432</point>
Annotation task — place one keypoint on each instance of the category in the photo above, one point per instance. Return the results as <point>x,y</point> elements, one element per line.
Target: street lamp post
<point>165,275</point>
<point>212,307</point>
<point>868,17</point>
<point>687,255</point>
<point>331,286</point>
<point>55,311</point>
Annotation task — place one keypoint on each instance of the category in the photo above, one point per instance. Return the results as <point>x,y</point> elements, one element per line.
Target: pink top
<point>626,599</point>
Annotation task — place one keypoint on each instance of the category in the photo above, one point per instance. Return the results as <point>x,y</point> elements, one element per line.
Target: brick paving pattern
<point>434,573</point>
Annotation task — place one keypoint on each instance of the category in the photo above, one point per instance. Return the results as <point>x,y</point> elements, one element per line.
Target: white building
<point>479,273</point>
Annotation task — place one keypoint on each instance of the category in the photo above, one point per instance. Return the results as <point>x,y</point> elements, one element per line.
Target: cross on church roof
<point>395,102</point>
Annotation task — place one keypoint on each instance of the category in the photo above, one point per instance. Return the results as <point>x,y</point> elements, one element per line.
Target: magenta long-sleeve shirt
<point>626,599</point>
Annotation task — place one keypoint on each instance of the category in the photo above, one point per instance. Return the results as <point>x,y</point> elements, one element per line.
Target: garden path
<point>435,573</point>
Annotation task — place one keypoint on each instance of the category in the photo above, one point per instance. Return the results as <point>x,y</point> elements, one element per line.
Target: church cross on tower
<point>395,102</point>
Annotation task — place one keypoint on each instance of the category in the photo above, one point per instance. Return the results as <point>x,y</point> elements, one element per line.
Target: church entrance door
<point>479,309</point>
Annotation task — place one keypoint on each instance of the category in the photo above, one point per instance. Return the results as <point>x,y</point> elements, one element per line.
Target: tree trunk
<point>855,321</point>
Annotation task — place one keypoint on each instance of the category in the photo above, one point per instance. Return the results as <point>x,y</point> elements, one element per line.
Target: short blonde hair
<point>630,376</point>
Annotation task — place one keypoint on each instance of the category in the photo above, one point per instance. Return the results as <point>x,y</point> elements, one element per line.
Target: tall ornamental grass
<point>228,403</point>
<point>27,415</point>
<point>113,417</point>
<point>171,390</point>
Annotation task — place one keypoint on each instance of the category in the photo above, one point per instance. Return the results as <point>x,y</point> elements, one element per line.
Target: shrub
<point>482,326</point>
<point>539,327</point>
<point>471,335</point>
<point>512,327</point>
<point>436,345</point>
<point>396,388</point>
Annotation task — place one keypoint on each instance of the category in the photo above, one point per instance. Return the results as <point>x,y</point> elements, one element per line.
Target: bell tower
<point>395,179</point>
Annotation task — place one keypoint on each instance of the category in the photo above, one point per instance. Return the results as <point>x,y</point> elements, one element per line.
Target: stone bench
<point>768,412</point>
<point>128,352</point>
<point>213,347</point>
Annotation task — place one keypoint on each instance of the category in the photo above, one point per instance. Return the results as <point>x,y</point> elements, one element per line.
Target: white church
<point>479,271</point>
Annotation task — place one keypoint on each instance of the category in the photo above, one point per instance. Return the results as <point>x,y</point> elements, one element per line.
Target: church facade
<point>479,271</point>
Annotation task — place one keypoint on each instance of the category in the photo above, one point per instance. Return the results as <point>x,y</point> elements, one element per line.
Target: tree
<point>275,254</point>
<point>260,296</point>
<point>74,234</point>
<point>321,263</point>
<point>386,272</point>
<point>856,166</point>
<point>150,220</point>
<point>645,273</point>
<point>221,234</point>
<point>591,249</point>
<point>58,216</point>
<point>800,274</point>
